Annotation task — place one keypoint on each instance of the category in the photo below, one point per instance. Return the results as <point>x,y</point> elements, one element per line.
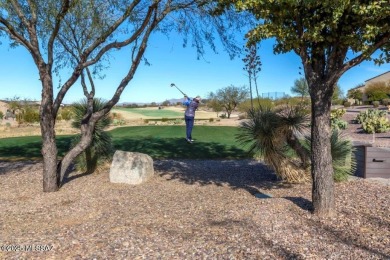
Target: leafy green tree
<point>377,91</point>
<point>356,93</point>
<point>330,37</point>
<point>338,95</point>
<point>301,88</point>
<point>230,97</point>
<point>214,103</point>
<point>165,103</point>
<point>77,37</point>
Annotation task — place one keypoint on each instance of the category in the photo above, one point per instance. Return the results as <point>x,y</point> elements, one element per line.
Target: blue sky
<point>171,63</point>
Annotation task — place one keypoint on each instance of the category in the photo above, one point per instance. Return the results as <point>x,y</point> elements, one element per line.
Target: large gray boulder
<point>131,168</point>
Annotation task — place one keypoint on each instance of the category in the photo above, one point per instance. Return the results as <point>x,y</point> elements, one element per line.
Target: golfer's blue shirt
<point>191,107</point>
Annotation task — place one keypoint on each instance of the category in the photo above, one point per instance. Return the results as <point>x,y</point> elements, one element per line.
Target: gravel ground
<point>355,132</point>
<point>190,210</point>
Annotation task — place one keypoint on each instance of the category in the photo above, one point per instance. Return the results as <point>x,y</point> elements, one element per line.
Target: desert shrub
<point>263,102</point>
<point>119,122</point>
<point>223,116</point>
<point>347,104</point>
<point>292,101</point>
<point>1,115</point>
<point>335,119</point>
<point>375,103</point>
<point>242,116</point>
<point>28,114</point>
<point>376,125</point>
<point>65,113</point>
<point>164,119</point>
<point>377,91</point>
<point>373,121</point>
<point>146,121</point>
<point>211,120</point>
<point>386,101</point>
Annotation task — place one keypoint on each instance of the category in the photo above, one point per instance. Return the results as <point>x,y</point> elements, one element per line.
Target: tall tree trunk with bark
<point>321,157</point>
<point>49,146</point>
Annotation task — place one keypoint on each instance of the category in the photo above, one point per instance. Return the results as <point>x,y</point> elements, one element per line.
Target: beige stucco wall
<point>385,77</point>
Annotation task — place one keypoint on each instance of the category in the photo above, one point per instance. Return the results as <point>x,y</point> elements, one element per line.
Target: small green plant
<point>373,121</point>
<point>335,119</point>
<point>66,113</point>
<point>375,103</point>
<point>1,115</point>
<point>146,121</point>
<point>164,119</point>
<point>118,122</point>
<point>347,104</point>
<point>27,114</point>
<point>386,101</point>
<point>222,116</point>
<point>211,120</point>
<point>242,116</point>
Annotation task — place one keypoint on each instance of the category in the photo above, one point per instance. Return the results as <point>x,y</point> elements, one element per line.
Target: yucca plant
<point>273,134</point>
<point>343,159</point>
<point>281,137</point>
<point>101,145</point>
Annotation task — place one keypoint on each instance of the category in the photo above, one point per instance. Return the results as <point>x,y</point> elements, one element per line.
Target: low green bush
<point>386,101</point>
<point>373,121</point>
<point>66,113</point>
<point>335,119</point>
<point>375,103</point>
<point>347,104</point>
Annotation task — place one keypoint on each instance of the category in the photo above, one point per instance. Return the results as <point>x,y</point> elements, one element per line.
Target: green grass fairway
<point>158,113</point>
<point>160,142</point>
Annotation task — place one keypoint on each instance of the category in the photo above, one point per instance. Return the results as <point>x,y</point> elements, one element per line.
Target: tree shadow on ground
<point>7,166</point>
<point>32,149</point>
<point>178,148</point>
<point>301,202</point>
<point>352,238</point>
<point>250,175</point>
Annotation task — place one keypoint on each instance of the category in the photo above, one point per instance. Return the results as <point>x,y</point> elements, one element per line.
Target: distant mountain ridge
<point>172,101</point>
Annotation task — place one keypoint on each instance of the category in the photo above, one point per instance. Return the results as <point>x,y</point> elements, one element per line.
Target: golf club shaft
<point>179,89</point>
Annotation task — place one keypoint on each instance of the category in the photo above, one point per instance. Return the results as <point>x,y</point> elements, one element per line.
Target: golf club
<point>173,85</point>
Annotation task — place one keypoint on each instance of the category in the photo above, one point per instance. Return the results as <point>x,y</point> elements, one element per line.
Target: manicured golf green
<point>158,113</point>
<point>160,142</point>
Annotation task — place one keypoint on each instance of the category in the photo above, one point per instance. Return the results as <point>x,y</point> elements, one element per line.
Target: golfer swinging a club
<point>189,115</point>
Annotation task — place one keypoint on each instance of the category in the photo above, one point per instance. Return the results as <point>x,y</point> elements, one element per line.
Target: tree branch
<point>66,6</point>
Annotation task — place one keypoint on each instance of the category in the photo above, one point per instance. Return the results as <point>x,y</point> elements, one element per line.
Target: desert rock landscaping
<point>191,209</point>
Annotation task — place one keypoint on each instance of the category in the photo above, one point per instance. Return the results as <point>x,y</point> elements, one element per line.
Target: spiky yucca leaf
<point>101,145</point>
<point>266,132</point>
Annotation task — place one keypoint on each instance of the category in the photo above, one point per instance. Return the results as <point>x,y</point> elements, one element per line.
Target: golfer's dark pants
<point>189,125</point>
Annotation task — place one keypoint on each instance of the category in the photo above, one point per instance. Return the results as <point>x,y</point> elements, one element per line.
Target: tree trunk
<point>49,146</point>
<point>85,141</point>
<point>321,157</point>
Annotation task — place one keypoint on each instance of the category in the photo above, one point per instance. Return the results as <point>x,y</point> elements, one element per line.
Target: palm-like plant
<point>273,134</point>
<point>281,137</point>
<point>101,145</point>
<point>343,160</point>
